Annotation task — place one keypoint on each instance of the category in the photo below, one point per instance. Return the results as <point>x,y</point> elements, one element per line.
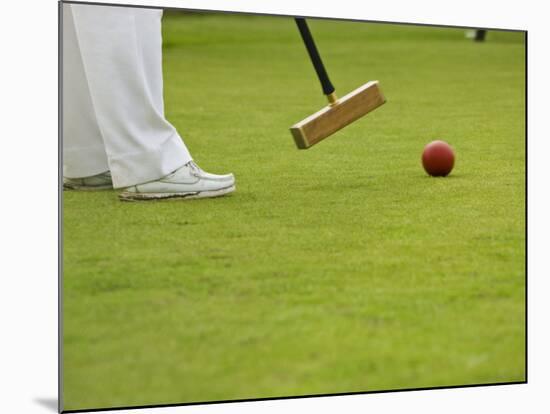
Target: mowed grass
<point>342,268</point>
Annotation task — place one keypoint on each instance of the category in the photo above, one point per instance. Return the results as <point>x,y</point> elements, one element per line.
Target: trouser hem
<point>149,165</point>
<point>92,163</point>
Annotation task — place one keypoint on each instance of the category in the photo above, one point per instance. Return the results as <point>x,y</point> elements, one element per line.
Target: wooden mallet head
<point>337,115</point>
<point>339,112</point>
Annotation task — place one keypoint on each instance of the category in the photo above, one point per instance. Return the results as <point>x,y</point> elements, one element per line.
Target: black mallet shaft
<point>339,112</point>
<point>328,88</point>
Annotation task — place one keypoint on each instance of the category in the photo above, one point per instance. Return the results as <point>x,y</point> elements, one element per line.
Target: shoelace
<point>194,167</point>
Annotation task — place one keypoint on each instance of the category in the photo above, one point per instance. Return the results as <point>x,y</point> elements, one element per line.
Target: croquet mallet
<point>340,111</point>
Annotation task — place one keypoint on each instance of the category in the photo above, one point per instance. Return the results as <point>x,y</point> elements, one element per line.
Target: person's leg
<point>149,38</point>
<point>115,43</point>
<point>83,150</point>
<point>480,35</point>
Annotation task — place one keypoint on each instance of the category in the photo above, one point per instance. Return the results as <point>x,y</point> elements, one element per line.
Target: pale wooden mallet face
<point>334,117</point>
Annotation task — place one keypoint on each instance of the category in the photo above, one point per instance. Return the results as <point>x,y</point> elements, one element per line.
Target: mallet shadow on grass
<point>369,182</point>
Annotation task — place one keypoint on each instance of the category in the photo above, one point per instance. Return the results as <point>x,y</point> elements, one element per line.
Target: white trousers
<point>113,110</point>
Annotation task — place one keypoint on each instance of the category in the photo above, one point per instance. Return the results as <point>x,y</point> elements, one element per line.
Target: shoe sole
<point>86,187</point>
<point>129,196</point>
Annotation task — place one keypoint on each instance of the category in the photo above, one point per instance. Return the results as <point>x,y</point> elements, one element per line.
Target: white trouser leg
<point>83,150</point>
<point>149,37</point>
<point>121,55</point>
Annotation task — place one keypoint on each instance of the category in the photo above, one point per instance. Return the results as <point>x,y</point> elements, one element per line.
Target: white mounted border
<point>28,287</point>
<point>469,13</point>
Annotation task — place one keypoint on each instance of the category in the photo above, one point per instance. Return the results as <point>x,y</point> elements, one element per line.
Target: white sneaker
<point>186,182</point>
<point>101,181</point>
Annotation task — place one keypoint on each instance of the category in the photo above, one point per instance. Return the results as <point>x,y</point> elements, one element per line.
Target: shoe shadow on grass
<point>49,403</point>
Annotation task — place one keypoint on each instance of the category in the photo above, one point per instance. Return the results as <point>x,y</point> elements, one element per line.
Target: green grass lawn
<point>342,268</point>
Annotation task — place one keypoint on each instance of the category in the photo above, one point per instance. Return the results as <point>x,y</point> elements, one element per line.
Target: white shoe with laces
<point>187,182</point>
<point>100,181</point>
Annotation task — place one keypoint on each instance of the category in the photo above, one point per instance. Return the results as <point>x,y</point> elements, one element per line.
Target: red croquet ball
<point>438,158</point>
